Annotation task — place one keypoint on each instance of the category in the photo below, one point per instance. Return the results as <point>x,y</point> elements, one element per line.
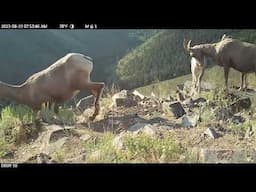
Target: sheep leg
<point>200,80</point>
<point>245,82</point>
<point>226,72</point>
<point>96,89</point>
<point>193,85</point>
<point>242,82</point>
<point>51,104</point>
<point>198,85</point>
<point>56,108</point>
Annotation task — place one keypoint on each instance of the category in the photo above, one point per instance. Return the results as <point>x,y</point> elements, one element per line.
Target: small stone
<point>8,155</point>
<point>136,127</point>
<point>85,103</point>
<point>211,133</point>
<point>137,93</point>
<point>240,104</point>
<point>173,108</point>
<point>85,137</point>
<point>189,122</point>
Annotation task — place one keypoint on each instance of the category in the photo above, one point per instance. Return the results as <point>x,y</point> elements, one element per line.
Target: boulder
<point>189,121</point>
<point>128,102</point>
<point>223,114</point>
<point>124,98</point>
<point>211,133</point>
<point>173,108</point>
<point>137,93</point>
<point>136,127</point>
<point>85,103</point>
<point>198,101</point>
<point>240,104</point>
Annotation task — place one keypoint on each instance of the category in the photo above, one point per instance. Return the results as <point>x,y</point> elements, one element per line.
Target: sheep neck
<point>18,93</point>
<point>209,50</point>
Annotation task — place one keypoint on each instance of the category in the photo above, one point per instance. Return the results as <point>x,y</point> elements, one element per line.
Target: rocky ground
<point>206,139</point>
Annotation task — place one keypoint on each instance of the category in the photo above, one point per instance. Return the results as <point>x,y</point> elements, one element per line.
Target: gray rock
<point>58,134</point>
<point>237,119</point>
<point>128,102</point>
<point>188,103</point>
<point>40,158</point>
<point>149,130</point>
<point>211,133</point>
<point>8,155</point>
<point>240,104</point>
<point>85,137</point>
<point>137,93</point>
<point>173,108</point>
<point>136,127</point>
<point>85,103</point>
<point>124,98</point>
<point>44,158</point>
<point>198,101</point>
<point>223,114</point>
<point>189,121</point>
<point>122,94</point>
<point>57,145</point>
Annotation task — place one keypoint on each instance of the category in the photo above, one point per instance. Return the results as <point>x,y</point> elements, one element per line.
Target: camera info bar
<point>48,26</point>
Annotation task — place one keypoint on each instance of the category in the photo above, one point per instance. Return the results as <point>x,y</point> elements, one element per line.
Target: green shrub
<point>15,117</point>
<point>148,149</point>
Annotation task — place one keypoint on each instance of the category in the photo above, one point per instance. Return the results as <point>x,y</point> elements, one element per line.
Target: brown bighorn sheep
<point>197,70</point>
<point>228,53</point>
<point>244,83</point>
<point>58,83</point>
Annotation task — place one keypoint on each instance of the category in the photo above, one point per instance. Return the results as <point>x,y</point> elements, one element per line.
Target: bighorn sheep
<point>244,83</point>
<point>58,83</point>
<point>197,70</point>
<point>228,53</point>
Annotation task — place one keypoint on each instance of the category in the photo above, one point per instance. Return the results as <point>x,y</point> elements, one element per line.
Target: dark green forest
<point>127,58</point>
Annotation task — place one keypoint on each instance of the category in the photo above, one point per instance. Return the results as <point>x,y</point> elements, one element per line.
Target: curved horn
<point>189,45</point>
<point>223,37</point>
<point>186,45</point>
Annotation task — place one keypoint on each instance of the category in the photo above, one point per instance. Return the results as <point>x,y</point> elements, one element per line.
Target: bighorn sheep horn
<point>187,45</point>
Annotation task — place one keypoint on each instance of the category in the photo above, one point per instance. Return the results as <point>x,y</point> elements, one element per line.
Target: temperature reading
<point>63,26</point>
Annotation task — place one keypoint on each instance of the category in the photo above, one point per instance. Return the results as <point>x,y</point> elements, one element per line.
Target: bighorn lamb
<point>228,53</point>
<point>197,70</point>
<point>58,83</point>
